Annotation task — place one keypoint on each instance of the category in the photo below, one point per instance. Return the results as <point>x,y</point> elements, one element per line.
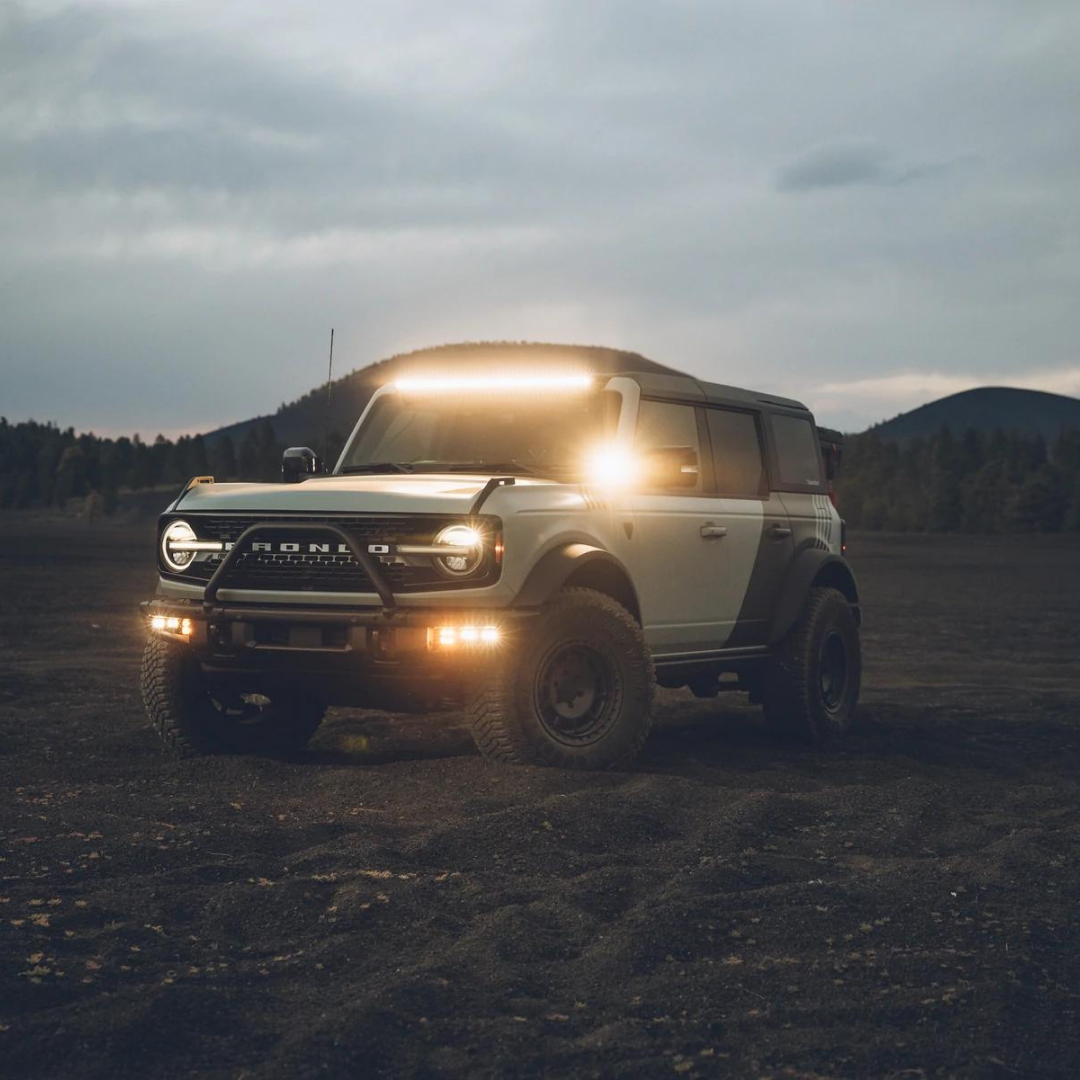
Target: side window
<point>796,452</point>
<point>736,448</point>
<point>666,440</point>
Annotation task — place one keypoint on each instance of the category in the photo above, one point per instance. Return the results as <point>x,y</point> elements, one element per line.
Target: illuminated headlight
<point>171,625</point>
<point>175,549</point>
<point>465,550</point>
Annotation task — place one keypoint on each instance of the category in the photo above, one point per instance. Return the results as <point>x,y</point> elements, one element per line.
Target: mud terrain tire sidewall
<point>180,709</point>
<point>792,694</point>
<point>168,672</point>
<point>502,703</point>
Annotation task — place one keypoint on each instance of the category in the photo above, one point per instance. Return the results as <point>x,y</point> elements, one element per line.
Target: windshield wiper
<point>379,467</point>
<point>491,468</point>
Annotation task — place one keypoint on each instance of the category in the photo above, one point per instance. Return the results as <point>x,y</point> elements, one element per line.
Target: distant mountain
<point>1025,412</point>
<point>301,422</point>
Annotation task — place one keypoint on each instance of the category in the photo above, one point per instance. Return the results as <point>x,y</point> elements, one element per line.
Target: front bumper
<point>364,641</point>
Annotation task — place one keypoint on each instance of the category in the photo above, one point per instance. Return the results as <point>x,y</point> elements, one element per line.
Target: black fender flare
<point>555,568</point>
<point>811,567</point>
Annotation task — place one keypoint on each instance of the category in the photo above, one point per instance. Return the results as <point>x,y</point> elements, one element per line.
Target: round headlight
<point>177,532</point>
<point>469,554</point>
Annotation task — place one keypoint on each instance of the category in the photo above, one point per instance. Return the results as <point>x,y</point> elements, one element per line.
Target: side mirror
<point>670,467</point>
<point>298,463</point>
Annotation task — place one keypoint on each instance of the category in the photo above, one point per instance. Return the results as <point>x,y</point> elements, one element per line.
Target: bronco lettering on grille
<point>286,547</point>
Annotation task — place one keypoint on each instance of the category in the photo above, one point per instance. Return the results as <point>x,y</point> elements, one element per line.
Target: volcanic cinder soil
<point>391,904</point>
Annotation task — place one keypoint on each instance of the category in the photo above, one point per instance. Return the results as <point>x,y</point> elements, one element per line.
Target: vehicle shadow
<point>925,736</point>
<point>728,734</point>
<point>374,737</point>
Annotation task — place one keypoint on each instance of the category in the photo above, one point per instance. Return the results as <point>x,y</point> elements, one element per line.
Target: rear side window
<point>736,448</point>
<point>796,453</point>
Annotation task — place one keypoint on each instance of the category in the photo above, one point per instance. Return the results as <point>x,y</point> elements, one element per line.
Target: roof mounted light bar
<point>486,383</point>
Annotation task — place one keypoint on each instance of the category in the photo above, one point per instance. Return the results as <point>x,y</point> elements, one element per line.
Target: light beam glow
<point>171,624</point>
<point>466,384</point>
<point>450,637</point>
<point>611,466</point>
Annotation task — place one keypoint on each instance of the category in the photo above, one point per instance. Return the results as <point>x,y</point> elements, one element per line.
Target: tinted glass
<point>736,453</point>
<point>796,452</point>
<point>662,425</point>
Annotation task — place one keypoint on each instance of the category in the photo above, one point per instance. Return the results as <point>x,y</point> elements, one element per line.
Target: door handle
<point>714,532</point>
<point>779,532</point>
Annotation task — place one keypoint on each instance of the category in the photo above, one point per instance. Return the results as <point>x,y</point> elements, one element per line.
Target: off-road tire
<point>502,702</point>
<point>793,690</point>
<point>181,709</point>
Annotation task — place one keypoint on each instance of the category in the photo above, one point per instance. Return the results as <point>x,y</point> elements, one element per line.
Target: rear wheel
<point>574,690</point>
<point>195,717</point>
<point>810,690</point>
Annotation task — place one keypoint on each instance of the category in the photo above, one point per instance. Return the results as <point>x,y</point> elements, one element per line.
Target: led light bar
<point>196,545</point>
<point>486,383</point>
<point>171,624</point>
<point>450,637</point>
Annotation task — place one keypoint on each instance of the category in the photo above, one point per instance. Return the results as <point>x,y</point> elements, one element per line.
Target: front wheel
<point>573,690</point>
<point>810,689</point>
<point>194,717</point>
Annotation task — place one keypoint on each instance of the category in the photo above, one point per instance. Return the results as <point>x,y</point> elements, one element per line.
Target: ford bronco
<point>539,549</point>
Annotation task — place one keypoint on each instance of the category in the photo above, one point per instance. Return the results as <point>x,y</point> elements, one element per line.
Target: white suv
<point>543,548</point>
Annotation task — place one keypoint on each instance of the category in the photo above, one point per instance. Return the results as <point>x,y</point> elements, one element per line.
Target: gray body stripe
<point>763,585</point>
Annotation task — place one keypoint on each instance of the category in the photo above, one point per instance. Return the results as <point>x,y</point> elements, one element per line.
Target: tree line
<point>979,482</point>
<point>42,465</point>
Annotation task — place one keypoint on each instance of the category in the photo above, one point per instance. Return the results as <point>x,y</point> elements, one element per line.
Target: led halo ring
<point>177,561</point>
<point>460,565</point>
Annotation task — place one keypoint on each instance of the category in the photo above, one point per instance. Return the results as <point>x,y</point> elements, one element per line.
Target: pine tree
<point>198,460</point>
<point>987,500</point>
<point>269,451</point>
<point>223,458</point>
<point>1040,502</point>
<point>248,459</point>
<point>70,475</point>
<point>1072,510</point>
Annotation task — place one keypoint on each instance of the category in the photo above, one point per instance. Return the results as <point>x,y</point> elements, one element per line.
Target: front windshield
<point>542,434</point>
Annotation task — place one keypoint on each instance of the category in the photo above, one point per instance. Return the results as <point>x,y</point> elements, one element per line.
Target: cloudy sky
<point>864,205</point>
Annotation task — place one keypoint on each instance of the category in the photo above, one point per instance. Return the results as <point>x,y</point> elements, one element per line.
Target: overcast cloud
<point>861,205</point>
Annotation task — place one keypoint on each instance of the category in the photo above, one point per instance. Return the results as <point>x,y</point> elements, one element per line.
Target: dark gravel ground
<point>390,904</point>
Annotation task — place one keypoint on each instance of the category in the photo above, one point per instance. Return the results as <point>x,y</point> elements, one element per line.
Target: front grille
<point>331,571</point>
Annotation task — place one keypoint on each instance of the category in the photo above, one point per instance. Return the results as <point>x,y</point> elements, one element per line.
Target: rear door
<point>758,545</point>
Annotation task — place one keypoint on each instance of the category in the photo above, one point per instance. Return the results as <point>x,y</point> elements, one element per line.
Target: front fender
<point>811,568</point>
<point>584,562</point>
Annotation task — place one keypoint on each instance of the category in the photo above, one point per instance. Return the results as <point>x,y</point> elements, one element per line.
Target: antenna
<point>329,384</point>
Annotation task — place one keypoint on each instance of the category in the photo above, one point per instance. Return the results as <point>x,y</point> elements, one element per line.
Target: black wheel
<point>810,690</point>
<point>195,717</point>
<point>574,690</point>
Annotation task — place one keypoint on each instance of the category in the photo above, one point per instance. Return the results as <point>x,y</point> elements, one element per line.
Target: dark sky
<point>861,205</point>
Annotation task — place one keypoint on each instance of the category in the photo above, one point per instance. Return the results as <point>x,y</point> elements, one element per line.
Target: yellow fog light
<point>171,624</point>
<point>449,637</point>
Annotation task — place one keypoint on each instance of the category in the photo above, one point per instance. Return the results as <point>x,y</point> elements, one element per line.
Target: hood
<point>397,493</point>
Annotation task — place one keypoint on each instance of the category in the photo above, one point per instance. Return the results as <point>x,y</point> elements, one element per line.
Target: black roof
<point>687,388</point>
